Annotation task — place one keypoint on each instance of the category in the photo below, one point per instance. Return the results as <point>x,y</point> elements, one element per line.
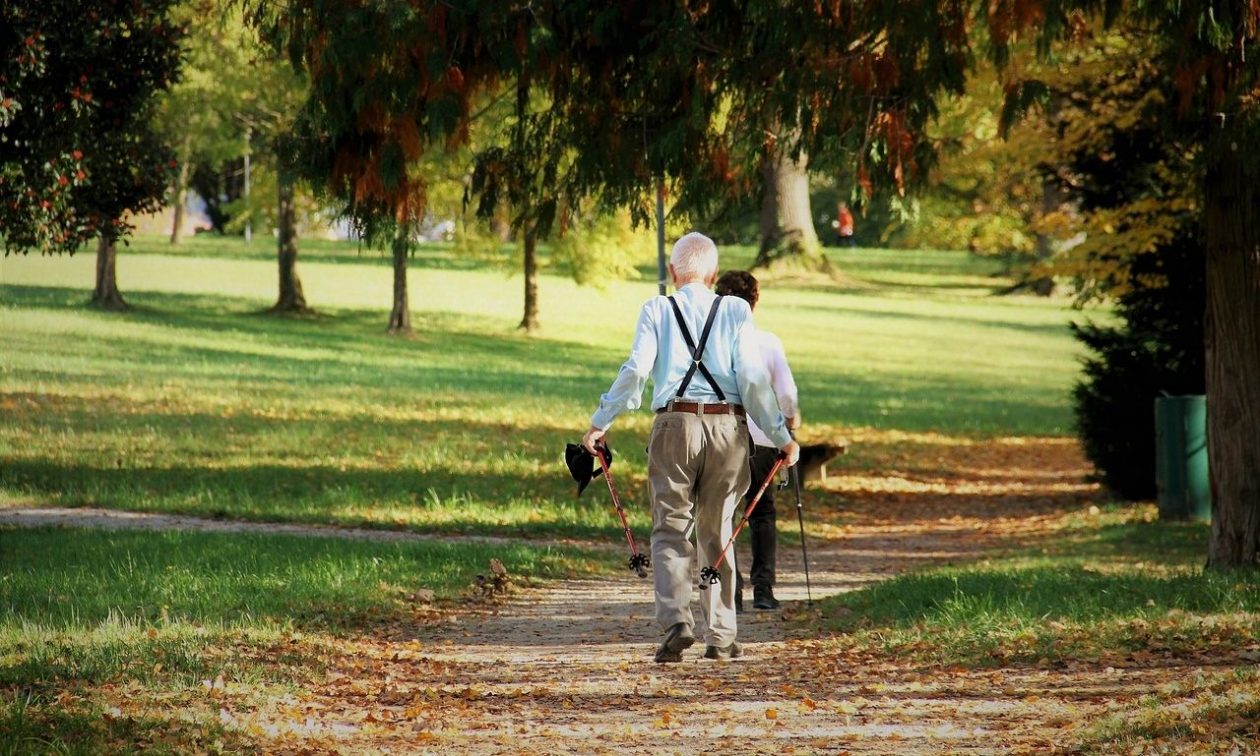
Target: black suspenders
<point>697,350</point>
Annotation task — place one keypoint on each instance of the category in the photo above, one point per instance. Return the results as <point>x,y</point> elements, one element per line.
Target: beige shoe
<point>678,639</point>
<point>725,653</point>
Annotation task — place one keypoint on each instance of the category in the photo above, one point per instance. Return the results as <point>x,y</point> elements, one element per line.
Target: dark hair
<point>739,283</point>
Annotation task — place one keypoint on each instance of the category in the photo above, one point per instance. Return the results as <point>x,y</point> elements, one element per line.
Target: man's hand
<point>793,422</point>
<point>793,452</point>
<point>592,436</point>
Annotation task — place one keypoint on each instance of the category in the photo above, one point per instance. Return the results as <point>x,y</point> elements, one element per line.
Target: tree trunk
<point>501,223</point>
<point>1051,198</point>
<point>181,190</point>
<point>1232,227</point>
<point>291,298</point>
<point>400,316</point>
<point>106,295</point>
<point>787,224</point>
<point>530,243</point>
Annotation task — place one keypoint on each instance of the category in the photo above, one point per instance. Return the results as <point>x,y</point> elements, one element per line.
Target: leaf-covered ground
<point>565,666</point>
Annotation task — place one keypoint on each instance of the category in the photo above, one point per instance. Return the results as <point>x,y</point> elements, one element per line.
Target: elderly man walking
<point>708,376</point>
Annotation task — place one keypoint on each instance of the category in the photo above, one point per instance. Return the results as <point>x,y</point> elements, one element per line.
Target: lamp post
<point>249,222</point>
<point>660,236</point>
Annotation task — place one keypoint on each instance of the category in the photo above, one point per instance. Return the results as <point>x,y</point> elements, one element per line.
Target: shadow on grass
<point>1030,594</point>
<point>481,357</point>
<point>431,256</point>
<point>451,352</point>
<point>1118,588</point>
<point>1166,543</point>
<point>919,403</point>
<point>917,319</point>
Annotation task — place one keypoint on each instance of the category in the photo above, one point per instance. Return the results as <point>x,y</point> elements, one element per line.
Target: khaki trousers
<point>697,474</point>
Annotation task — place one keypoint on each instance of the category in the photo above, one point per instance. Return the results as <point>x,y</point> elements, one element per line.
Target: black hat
<point>582,464</point>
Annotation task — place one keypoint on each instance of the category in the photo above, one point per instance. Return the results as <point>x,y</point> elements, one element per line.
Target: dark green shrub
<point>1158,350</point>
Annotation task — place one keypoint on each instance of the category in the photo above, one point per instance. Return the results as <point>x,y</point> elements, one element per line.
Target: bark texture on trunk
<point>1232,226</point>
<point>501,223</point>
<point>1051,198</point>
<point>530,321</point>
<point>181,190</point>
<point>106,294</point>
<point>400,315</point>
<point>787,223</point>
<point>291,298</point>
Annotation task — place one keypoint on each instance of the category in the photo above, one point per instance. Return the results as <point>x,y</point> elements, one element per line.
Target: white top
<point>732,356</point>
<point>781,381</point>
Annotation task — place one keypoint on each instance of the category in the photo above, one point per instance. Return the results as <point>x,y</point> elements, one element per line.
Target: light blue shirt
<point>732,355</point>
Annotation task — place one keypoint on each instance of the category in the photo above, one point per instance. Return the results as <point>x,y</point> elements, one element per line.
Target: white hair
<point>695,257</point>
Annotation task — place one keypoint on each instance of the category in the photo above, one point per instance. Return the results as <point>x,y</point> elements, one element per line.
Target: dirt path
<point>567,668</point>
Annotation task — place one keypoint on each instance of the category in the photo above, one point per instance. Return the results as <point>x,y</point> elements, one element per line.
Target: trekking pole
<point>709,575</point>
<point>800,518</point>
<point>638,562</point>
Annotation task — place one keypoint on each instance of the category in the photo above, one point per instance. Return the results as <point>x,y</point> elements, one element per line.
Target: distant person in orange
<point>843,224</point>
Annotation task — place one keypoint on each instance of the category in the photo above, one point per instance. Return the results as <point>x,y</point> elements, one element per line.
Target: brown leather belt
<point>698,408</point>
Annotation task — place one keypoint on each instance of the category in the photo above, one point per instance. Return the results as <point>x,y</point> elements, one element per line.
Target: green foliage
<point>603,248</point>
<point>76,84</point>
<point>1157,351</point>
<point>261,210</point>
<point>1129,170</point>
<point>636,92</point>
<point>1130,176</point>
<point>198,116</point>
<point>234,97</point>
<point>984,192</point>
<point>388,82</point>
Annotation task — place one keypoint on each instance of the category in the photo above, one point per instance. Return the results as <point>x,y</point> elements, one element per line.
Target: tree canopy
<point>76,86</point>
<point>690,93</point>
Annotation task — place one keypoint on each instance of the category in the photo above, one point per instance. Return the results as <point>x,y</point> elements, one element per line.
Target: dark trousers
<point>761,523</point>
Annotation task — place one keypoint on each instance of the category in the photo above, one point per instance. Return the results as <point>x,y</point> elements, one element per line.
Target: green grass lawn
<point>1117,590</point>
<point>1104,586</point>
<point>121,602</point>
<point>197,403</point>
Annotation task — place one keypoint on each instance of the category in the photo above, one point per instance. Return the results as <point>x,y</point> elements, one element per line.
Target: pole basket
<point>709,576</point>
<point>640,563</point>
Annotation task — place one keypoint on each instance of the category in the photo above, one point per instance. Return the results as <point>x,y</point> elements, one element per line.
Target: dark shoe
<point>677,640</point>
<point>725,653</point>
<point>763,598</point>
<point>739,602</point>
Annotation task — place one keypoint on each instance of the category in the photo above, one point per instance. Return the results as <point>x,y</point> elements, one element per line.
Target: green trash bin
<point>1181,461</point>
